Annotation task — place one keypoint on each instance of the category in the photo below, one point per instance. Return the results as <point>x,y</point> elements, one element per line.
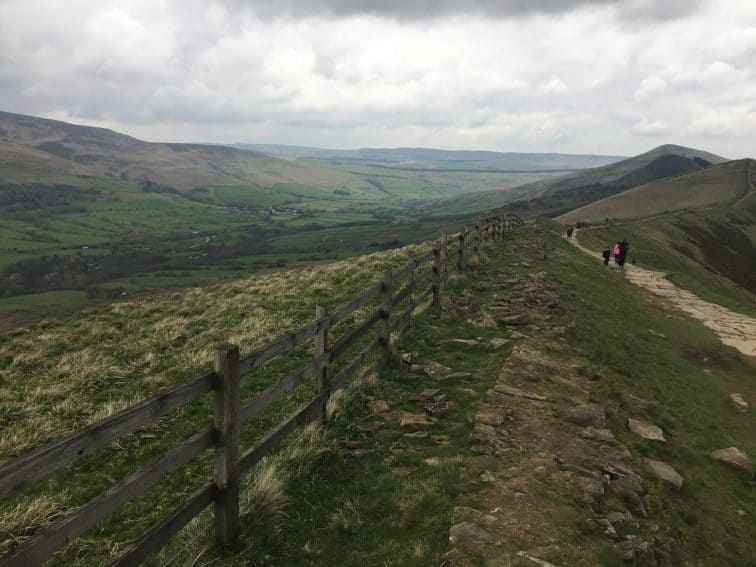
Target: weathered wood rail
<point>421,285</point>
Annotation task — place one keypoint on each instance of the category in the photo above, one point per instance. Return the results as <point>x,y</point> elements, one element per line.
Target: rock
<point>466,534</point>
<point>517,392</point>
<point>440,438</point>
<point>456,376</point>
<point>600,435</point>
<point>490,416</point>
<point>646,430</point>
<point>628,485</point>
<point>434,369</point>
<point>665,472</point>
<point>417,435</point>
<point>626,550</point>
<point>416,369</point>
<point>433,461</point>
<point>379,406</point>
<point>428,393</point>
<point>466,514</point>
<point>414,420</point>
<point>575,469</point>
<point>619,518</point>
<point>737,401</point>
<point>734,458</point>
<point>471,342</point>
<point>609,530</point>
<point>534,560</point>
<point>436,407</point>
<point>497,342</point>
<point>518,319</point>
<point>587,414</point>
<point>409,358</point>
<point>487,476</point>
<point>592,489</point>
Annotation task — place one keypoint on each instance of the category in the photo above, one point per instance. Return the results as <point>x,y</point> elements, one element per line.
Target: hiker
<point>616,252</point>
<point>623,248</point>
<point>606,254</point>
<point>569,232</point>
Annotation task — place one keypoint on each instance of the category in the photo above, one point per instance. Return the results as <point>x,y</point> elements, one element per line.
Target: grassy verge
<point>675,373</point>
<point>651,246</point>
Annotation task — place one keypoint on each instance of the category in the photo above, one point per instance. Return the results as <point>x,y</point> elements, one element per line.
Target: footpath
<point>734,329</point>
<point>506,434</point>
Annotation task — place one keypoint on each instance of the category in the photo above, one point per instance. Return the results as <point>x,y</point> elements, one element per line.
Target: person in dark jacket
<point>606,254</point>
<point>623,249</point>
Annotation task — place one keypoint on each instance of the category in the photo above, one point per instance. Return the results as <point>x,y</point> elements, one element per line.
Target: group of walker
<point>619,251</point>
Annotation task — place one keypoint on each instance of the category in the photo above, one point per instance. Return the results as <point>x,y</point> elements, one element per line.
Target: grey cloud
<point>410,9</point>
<point>431,9</point>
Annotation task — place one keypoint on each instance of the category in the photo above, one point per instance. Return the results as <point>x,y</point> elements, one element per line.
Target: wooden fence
<point>423,278</point>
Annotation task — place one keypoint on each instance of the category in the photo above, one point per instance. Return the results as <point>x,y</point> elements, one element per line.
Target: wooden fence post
<point>476,250</point>
<point>437,274</point>
<point>386,316</point>
<point>321,345</point>
<point>462,260</point>
<point>411,281</point>
<point>444,261</point>
<point>226,423</point>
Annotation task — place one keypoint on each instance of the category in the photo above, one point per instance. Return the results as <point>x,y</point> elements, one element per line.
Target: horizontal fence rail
<point>419,281</point>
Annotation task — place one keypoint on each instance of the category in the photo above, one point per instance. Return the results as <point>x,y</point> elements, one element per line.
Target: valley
<point>100,216</point>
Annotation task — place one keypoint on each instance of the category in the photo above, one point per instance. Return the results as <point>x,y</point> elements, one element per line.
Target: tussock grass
<point>59,376</point>
<point>22,520</point>
<point>348,516</point>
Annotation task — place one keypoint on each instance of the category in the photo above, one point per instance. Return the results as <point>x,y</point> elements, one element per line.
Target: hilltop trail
<point>733,329</point>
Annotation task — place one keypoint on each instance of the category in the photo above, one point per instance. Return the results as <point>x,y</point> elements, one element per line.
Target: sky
<point>612,77</point>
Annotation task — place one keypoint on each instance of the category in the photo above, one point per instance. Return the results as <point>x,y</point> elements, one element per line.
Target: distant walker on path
<point>623,249</point>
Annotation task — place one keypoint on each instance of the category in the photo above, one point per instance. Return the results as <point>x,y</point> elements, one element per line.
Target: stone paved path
<point>734,329</point>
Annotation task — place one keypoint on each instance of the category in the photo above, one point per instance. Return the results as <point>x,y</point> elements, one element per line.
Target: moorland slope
<point>59,147</point>
<point>555,196</point>
<point>699,228</point>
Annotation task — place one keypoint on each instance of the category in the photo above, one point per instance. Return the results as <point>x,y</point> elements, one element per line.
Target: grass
<point>684,374</point>
<point>316,502</point>
<point>56,377</point>
<point>655,245</point>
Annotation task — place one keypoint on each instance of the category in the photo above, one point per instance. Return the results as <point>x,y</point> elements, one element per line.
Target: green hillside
<point>720,185</point>
<point>700,228</point>
<point>505,465</point>
<point>566,192</point>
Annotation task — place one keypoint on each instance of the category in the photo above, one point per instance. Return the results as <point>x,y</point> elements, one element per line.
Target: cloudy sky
<point>592,76</point>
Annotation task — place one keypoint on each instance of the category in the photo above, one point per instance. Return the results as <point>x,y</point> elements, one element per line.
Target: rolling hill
<point>721,184</point>
<point>54,147</point>
<point>431,158</point>
<point>564,193</point>
<point>700,228</point>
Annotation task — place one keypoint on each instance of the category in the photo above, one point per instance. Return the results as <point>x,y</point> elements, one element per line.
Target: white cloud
<point>648,127</point>
<point>610,76</point>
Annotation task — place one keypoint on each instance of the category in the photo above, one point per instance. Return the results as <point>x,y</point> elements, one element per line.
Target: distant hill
<point>561,194</point>
<point>51,146</point>
<point>413,158</point>
<point>703,220</point>
<point>721,184</point>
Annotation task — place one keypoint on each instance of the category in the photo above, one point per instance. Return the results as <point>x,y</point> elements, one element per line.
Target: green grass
<point>651,246</point>
<point>43,303</point>
<point>685,376</point>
